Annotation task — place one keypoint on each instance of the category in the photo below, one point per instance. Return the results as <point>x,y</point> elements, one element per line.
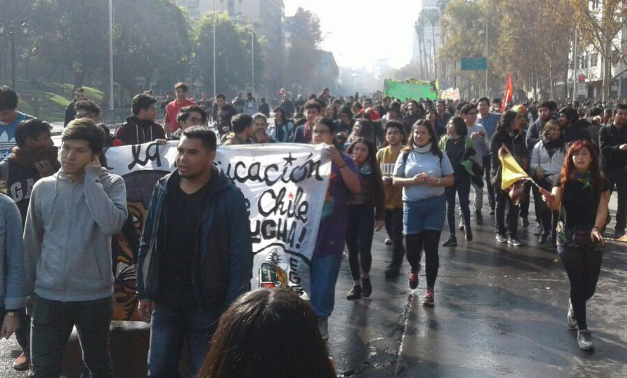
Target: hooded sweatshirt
<point>67,238</point>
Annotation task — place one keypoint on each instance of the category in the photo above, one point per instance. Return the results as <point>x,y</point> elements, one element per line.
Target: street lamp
<point>11,28</point>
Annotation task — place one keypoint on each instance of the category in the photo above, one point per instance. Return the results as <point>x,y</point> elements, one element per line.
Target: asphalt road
<point>500,312</point>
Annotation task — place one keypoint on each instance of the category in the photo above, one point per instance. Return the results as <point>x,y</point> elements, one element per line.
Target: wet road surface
<point>500,312</point>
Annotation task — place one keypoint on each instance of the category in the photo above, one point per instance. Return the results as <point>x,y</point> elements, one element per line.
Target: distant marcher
<point>172,110</point>
<point>10,117</point>
<point>141,126</point>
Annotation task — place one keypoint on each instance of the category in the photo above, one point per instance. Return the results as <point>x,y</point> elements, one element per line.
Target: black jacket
<point>610,139</point>
<point>576,132</point>
<point>223,262</point>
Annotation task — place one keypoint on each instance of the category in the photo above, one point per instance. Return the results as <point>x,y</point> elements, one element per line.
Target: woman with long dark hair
<point>509,133</point>
<point>547,160</point>
<point>363,128</point>
<point>282,130</point>
<point>581,195</point>
<point>268,333</point>
<point>366,214</point>
<point>461,152</point>
<point>423,171</point>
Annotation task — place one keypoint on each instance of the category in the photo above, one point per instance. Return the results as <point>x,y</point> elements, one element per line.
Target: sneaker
<point>323,328</point>
<point>451,242</point>
<point>543,238</point>
<point>429,299</point>
<point>514,241</point>
<point>501,238</point>
<point>367,287</point>
<point>469,235</point>
<point>584,340</point>
<point>388,242</point>
<point>491,211</point>
<point>538,229</point>
<point>619,233</point>
<point>479,218</point>
<point>392,271</point>
<point>413,280</point>
<point>21,363</point>
<point>525,222</point>
<point>461,225</point>
<point>570,317</point>
<point>354,293</point>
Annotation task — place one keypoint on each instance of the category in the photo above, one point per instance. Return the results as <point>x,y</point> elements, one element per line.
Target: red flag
<point>508,95</point>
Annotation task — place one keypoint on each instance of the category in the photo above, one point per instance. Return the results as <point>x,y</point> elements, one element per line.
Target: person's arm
<point>379,194</point>
<point>532,135</point>
<point>240,246</point>
<point>15,276</point>
<point>495,145</point>
<point>108,208</point>
<point>553,199</point>
<point>167,127</point>
<point>601,217</point>
<point>348,169</point>
<point>33,239</point>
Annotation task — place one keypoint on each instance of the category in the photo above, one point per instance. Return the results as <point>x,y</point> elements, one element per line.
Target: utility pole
<point>111,101</point>
<point>487,51</point>
<point>575,65</point>
<point>214,49</point>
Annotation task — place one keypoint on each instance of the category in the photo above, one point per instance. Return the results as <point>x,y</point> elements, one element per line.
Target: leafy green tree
<point>233,54</point>
<point>304,38</point>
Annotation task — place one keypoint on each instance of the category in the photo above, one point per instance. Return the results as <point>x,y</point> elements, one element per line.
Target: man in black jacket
<point>70,111</point>
<point>195,255</point>
<point>613,145</point>
<point>572,128</point>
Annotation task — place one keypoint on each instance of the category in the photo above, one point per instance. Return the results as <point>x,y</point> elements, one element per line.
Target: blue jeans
<point>324,272</point>
<point>168,327</point>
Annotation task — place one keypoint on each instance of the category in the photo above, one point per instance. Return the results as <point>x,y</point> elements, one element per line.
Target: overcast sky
<point>359,32</point>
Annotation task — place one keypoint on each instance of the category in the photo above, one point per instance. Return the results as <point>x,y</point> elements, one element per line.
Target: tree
<point>233,54</point>
<point>420,31</point>
<point>304,38</point>
<point>599,22</point>
<point>432,17</point>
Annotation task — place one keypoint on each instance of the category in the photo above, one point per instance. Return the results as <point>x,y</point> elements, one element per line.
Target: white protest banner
<point>284,185</point>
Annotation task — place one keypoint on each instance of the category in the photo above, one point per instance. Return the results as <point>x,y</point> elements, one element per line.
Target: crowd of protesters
<point>406,166</point>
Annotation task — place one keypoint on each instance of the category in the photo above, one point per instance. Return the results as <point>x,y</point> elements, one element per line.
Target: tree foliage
<point>304,38</point>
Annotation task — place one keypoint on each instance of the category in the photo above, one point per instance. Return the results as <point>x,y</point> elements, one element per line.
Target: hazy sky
<point>359,32</point>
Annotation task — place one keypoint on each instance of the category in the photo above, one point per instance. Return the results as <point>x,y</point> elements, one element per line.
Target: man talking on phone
<point>67,248</point>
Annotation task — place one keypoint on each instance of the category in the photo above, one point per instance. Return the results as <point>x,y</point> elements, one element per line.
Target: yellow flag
<point>510,170</point>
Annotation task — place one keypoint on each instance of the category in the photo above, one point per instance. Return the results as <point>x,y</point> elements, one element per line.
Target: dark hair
<point>467,108</point>
<point>88,106</point>
<point>545,104</point>
<point>80,89</point>
<point>205,134</point>
<point>618,107</point>
<point>8,98</point>
<point>571,114</point>
<point>435,149</point>
<point>485,99</point>
<point>260,116</point>
<point>347,111</point>
<point>506,121</point>
<point>366,130</point>
<point>32,128</point>
<point>251,340</point>
<point>568,169</point>
<point>142,102</point>
<point>312,104</point>
<point>85,129</point>
<point>328,122</point>
<point>335,113</point>
<point>240,122</point>
<point>220,95</point>
<point>282,111</point>
<point>372,153</point>
<point>395,124</point>
<point>182,86</point>
<point>550,124</point>
<point>185,112</point>
<point>460,125</point>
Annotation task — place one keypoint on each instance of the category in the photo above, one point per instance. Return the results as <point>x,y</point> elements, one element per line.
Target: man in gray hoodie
<point>67,242</point>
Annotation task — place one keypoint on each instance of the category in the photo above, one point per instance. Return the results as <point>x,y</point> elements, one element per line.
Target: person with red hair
<point>581,195</point>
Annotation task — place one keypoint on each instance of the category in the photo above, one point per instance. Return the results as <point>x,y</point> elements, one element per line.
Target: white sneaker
<point>388,242</point>
<point>323,328</point>
<point>584,340</point>
<point>570,317</point>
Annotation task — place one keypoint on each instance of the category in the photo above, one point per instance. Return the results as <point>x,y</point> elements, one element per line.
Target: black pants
<point>461,187</point>
<point>583,266</point>
<point>620,180</point>
<point>487,167</point>
<point>415,243</point>
<point>394,228</point>
<point>503,201</point>
<point>525,200</point>
<point>359,233</point>
<point>548,218</point>
<point>52,324</point>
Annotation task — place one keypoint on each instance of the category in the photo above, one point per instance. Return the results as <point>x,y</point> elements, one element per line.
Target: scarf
<point>365,169</point>
<point>27,158</point>
<point>584,178</point>
<point>552,145</point>
<point>424,149</point>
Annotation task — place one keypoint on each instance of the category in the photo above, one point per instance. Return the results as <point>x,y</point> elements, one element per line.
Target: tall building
<point>268,17</point>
